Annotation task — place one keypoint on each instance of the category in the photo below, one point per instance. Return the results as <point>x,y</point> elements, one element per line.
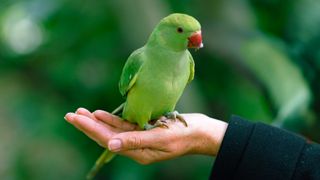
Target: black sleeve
<point>259,151</point>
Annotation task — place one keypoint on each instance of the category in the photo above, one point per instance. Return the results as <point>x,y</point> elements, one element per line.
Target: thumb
<point>128,141</point>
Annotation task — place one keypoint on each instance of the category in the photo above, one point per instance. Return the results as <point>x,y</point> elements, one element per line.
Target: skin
<point>202,136</point>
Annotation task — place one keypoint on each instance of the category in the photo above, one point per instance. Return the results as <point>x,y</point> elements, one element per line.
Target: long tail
<point>106,156</point>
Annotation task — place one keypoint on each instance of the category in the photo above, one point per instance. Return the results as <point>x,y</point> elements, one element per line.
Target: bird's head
<point>177,32</point>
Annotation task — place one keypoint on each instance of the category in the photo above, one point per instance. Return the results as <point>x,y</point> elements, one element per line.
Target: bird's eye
<point>179,30</point>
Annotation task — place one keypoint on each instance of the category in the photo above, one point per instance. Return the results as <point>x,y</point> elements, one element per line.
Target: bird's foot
<point>164,120</point>
<point>162,123</point>
<point>176,116</point>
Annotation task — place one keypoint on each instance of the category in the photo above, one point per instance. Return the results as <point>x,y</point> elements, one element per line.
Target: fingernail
<point>97,112</point>
<point>100,112</point>
<point>69,116</point>
<point>79,109</point>
<point>115,145</point>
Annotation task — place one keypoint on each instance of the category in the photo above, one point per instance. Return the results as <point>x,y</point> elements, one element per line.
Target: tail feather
<point>106,156</point>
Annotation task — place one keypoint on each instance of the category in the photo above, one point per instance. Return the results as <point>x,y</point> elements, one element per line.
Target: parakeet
<point>154,76</point>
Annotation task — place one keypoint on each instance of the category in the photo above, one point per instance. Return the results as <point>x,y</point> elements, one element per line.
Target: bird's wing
<point>130,71</point>
<point>191,76</point>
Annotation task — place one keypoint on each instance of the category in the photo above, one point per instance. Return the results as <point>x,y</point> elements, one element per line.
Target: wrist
<point>207,134</point>
<point>215,134</point>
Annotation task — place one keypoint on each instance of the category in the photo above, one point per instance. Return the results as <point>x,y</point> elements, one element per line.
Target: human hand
<point>100,126</point>
<point>202,136</point>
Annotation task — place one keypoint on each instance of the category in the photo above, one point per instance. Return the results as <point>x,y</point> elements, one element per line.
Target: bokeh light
<point>20,32</point>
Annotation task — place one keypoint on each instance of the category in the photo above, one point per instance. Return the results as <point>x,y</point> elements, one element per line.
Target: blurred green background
<point>261,60</point>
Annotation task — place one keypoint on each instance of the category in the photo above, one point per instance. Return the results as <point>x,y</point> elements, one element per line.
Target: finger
<point>134,140</point>
<point>114,121</point>
<point>85,112</point>
<point>93,129</point>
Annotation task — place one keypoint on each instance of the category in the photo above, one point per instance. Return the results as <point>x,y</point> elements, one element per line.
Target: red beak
<point>195,40</point>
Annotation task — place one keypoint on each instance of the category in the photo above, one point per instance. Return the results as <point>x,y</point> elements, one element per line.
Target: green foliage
<point>261,60</point>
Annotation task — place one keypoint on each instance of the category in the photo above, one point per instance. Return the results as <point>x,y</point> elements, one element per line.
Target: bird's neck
<point>159,39</point>
<point>165,57</point>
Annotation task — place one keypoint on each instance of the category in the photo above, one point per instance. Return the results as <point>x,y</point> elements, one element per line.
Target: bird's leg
<point>175,115</point>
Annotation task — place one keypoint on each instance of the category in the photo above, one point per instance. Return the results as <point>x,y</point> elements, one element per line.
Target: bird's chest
<point>167,76</point>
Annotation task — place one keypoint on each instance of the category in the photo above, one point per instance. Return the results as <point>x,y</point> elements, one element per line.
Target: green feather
<point>154,76</point>
<point>191,68</point>
<point>130,72</point>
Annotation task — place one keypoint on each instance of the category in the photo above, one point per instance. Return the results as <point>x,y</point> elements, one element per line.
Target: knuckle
<point>134,142</point>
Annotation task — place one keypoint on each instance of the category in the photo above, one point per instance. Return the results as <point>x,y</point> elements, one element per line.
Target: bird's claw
<point>175,115</point>
<point>162,123</point>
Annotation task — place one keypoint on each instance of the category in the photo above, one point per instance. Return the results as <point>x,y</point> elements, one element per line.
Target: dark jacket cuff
<point>256,151</point>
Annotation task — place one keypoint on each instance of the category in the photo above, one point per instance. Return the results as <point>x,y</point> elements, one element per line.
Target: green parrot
<point>154,76</point>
